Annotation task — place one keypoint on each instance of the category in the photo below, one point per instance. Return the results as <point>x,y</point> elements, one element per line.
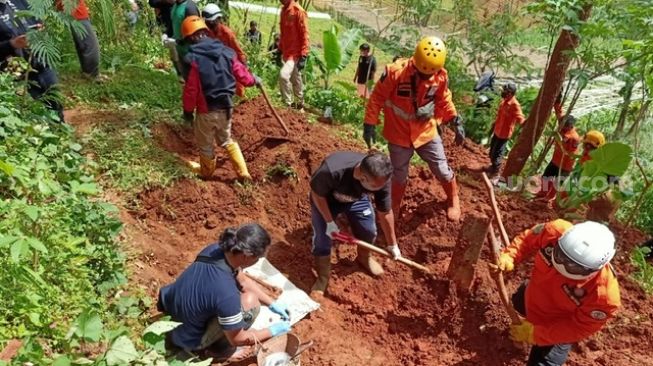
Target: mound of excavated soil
<point>404,318</point>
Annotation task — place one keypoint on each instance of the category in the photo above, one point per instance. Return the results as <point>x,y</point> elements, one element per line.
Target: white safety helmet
<point>583,249</point>
<point>211,12</point>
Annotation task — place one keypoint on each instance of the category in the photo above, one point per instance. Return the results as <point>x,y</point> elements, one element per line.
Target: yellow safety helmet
<point>594,138</point>
<point>429,56</point>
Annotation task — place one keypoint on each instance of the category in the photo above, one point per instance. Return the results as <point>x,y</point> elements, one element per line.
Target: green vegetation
<point>130,160</point>
<point>644,273</point>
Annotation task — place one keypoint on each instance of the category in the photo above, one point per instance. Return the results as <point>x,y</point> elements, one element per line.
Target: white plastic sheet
<point>299,303</point>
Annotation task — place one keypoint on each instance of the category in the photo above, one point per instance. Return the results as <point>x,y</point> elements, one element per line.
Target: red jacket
<point>294,40</point>
<point>393,94</point>
<point>214,71</point>
<point>562,310</point>
<point>79,13</point>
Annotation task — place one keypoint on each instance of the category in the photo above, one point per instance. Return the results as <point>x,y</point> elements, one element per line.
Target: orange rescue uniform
<point>225,35</point>
<point>508,114</point>
<point>562,310</point>
<point>294,39</point>
<point>394,94</point>
<point>563,155</point>
<point>79,13</point>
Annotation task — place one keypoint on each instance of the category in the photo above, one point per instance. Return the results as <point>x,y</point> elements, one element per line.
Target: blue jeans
<point>361,219</point>
<point>553,355</point>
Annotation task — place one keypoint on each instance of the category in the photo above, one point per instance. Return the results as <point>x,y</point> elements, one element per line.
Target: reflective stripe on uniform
<point>408,117</point>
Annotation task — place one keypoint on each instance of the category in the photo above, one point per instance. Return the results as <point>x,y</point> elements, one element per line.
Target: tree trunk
<point>552,84</point>
<point>643,112</point>
<point>621,122</point>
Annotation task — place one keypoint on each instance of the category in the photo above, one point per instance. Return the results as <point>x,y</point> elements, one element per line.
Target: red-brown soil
<point>403,318</point>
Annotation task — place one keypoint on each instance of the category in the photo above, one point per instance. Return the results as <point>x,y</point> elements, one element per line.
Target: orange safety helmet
<point>430,55</point>
<point>192,24</point>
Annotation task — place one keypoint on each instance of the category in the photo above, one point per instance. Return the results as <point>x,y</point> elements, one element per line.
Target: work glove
<point>394,250</point>
<point>506,263</point>
<point>258,81</point>
<point>457,125</point>
<point>332,228</point>
<point>280,308</point>
<point>279,328</point>
<point>523,332</point>
<point>369,134</point>
<point>301,63</point>
<point>188,117</point>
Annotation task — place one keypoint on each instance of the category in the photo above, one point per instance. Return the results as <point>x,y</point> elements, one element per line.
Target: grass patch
<point>269,23</point>
<point>130,160</point>
<point>644,271</point>
<point>131,86</point>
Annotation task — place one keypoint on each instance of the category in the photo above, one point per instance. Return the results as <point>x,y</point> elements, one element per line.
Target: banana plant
<point>338,51</point>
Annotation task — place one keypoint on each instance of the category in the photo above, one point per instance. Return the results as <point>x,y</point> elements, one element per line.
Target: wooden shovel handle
<point>274,111</point>
<point>495,209</point>
<point>349,239</point>
<point>498,278</point>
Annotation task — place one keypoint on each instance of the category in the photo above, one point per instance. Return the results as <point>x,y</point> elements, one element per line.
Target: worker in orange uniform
<point>294,45</point>
<point>508,115</point>
<point>572,290</point>
<point>414,96</point>
<point>564,157</point>
<point>212,15</point>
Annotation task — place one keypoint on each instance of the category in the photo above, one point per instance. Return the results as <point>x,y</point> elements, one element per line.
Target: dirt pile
<point>404,318</point>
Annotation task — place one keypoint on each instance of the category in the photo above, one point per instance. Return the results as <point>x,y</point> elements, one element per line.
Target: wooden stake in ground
<point>467,251</point>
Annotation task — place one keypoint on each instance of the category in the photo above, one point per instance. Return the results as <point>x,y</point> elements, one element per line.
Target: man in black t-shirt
<point>365,70</point>
<point>343,184</point>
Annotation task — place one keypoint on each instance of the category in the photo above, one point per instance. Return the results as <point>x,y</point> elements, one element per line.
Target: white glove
<point>394,250</point>
<point>332,228</point>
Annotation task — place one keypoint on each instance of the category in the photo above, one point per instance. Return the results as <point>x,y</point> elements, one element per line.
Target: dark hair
<point>377,164</point>
<point>510,87</point>
<point>364,47</point>
<point>253,23</point>
<point>249,239</point>
<point>569,120</point>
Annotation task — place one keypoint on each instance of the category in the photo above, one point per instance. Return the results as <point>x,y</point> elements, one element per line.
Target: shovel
<point>276,116</point>
<point>351,240</point>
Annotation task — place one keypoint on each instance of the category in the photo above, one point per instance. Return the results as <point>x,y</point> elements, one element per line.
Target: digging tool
<point>274,111</point>
<point>495,248</point>
<point>345,238</point>
<point>495,209</point>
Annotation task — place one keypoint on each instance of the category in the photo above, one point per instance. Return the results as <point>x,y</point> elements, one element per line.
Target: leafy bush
<point>347,107</point>
<point>60,250</point>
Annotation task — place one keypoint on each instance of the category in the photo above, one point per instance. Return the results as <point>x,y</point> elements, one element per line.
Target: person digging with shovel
<point>342,184</point>
<point>214,71</point>
<point>415,97</point>
<point>216,303</point>
<point>572,291</point>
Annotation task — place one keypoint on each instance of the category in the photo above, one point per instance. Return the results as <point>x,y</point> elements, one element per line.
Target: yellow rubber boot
<point>238,160</point>
<point>207,166</point>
